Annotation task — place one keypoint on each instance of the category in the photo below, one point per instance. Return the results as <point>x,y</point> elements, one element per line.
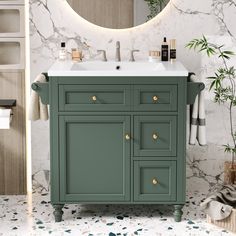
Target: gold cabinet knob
<point>127,137</point>
<point>155,98</point>
<point>155,136</point>
<point>94,98</point>
<point>154,181</point>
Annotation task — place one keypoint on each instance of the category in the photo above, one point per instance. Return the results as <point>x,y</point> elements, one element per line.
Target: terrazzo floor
<point>32,215</point>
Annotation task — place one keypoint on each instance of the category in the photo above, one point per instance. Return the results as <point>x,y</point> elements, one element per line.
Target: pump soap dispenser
<point>165,50</point>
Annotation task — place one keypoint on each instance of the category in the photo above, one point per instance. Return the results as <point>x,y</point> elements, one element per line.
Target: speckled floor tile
<point>32,215</point>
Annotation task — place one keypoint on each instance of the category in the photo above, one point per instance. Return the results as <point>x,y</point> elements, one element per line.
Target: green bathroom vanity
<point>117,139</point>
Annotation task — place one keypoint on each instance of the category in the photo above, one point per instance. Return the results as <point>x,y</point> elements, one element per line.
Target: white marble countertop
<point>112,68</point>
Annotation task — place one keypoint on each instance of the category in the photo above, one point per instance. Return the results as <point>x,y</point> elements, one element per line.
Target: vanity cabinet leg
<point>178,212</point>
<point>58,212</point>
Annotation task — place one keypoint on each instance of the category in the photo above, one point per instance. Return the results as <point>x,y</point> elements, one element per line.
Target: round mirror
<point>118,14</point>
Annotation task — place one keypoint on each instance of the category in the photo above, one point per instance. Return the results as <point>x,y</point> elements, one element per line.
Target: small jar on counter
<point>154,56</point>
<point>76,55</point>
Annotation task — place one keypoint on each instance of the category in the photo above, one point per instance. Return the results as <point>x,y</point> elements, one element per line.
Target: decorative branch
<point>224,92</point>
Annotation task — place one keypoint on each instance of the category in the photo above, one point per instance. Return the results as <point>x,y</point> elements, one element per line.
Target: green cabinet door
<point>94,158</point>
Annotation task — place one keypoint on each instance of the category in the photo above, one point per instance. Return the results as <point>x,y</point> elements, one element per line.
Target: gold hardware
<point>155,181</point>
<point>94,98</point>
<point>127,137</point>
<point>155,98</point>
<point>155,136</point>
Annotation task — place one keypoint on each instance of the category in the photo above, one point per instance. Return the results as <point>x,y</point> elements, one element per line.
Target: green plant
<point>223,83</point>
<point>155,6</point>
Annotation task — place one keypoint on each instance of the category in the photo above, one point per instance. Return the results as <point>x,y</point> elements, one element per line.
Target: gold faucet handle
<point>154,181</point>
<point>94,98</point>
<point>155,98</point>
<point>155,136</point>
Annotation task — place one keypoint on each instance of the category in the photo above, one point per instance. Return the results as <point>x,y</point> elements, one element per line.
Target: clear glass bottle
<point>63,52</point>
<point>173,50</point>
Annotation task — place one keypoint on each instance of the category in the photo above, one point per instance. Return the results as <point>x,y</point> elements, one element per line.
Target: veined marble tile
<point>53,21</point>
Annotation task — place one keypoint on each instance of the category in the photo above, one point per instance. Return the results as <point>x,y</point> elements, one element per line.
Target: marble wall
<point>53,21</point>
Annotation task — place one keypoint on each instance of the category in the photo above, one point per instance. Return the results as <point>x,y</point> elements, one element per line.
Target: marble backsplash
<point>53,21</point>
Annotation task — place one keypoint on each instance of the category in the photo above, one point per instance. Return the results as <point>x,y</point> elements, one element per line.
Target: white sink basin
<point>118,66</point>
<point>111,68</point>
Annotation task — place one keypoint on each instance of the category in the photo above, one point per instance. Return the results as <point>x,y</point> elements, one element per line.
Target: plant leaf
<point>212,85</point>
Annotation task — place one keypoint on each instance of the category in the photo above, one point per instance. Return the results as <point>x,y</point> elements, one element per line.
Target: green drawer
<point>155,136</point>
<point>155,97</point>
<point>155,181</point>
<point>94,97</point>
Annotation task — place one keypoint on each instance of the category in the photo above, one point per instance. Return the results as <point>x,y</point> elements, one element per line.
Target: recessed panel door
<point>95,158</point>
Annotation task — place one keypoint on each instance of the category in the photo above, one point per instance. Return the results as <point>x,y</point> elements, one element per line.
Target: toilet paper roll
<point>5,118</point>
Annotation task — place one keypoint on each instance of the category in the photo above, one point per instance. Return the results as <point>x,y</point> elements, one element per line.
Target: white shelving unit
<point>12,35</point>
<point>13,86</point>
<point>12,21</point>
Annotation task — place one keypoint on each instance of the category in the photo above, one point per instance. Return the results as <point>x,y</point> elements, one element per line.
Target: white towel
<point>220,204</point>
<point>198,118</point>
<point>37,110</point>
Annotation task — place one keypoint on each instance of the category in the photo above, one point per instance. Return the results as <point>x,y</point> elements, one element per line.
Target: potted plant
<point>224,85</point>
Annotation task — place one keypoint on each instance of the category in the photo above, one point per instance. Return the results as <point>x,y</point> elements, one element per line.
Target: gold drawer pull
<point>127,137</point>
<point>155,98</point>
<point>154,181</point>
<point>94,98</point>
<point>155,136</point>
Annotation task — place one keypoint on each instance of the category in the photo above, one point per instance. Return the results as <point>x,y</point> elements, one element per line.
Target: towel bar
<point>43,90</point>
<point>194,88</point>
